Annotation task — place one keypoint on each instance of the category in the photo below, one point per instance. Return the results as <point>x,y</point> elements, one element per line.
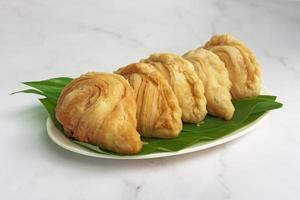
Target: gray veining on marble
<point>40,39</point>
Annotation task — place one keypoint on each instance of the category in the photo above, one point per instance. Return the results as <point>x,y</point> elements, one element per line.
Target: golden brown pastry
<point>185,83</point>
<point>158,111</point>
<point>214,76</point>
<point>244,70</point>
<point>99,108</point>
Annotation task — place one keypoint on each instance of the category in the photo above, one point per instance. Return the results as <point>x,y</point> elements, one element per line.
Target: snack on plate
<point>186,85</point>
<point>152,98</point>
<point>158,111</point>
<point>100,108</point>
<point>244,70</point>
<point>214,76</point>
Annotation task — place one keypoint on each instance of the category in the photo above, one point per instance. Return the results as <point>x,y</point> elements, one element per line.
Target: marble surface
<point>40,39</point>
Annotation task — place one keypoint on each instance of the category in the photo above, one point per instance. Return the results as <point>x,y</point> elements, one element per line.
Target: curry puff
<point>158,111</point>
<point>244,70</point>
<point>186,85</point>
<point>152,98</point>
<point>100,108</point>
<point>214,76</point>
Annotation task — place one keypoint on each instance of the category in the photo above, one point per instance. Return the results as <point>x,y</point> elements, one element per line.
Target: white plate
<point>60,139</point>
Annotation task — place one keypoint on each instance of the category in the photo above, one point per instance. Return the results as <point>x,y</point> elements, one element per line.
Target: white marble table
<point>40,39</point>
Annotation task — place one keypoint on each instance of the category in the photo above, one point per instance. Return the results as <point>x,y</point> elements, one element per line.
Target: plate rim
<point>196,147</point>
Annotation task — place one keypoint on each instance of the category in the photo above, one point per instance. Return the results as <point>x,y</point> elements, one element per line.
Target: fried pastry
<point>214,76</point>
<point>99,108</point>
<point>244,70</point>
<point>158,111</point>
<point>185,83</point>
